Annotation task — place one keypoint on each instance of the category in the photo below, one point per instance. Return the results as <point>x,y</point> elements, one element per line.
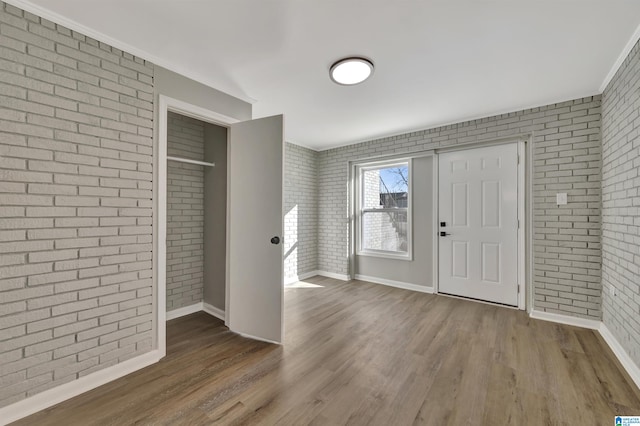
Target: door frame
<point>525,231</point>
<point>166,105</point>
<point>525,208</point>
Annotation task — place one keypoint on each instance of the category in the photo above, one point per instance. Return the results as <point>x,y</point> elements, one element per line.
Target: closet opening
<point>196,222</point>
<point>207,228</point>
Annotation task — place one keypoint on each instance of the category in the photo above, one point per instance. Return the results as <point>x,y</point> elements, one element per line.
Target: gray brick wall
<point>185,212</point>
<point>301,211</point>
<point>75,205</point>
<point>621,204</point>
<point>567,158</point>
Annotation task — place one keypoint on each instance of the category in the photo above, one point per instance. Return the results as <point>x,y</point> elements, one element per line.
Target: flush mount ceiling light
<point>350,71</point>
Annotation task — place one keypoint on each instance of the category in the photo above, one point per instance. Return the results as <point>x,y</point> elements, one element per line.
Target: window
<point>383,221</point>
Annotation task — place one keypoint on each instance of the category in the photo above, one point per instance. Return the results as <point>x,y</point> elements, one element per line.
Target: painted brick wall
<point>567,150</point>
<point>301,211</point>
<point>185,212</point>
<point>621,204</point>
<point>75,205</point>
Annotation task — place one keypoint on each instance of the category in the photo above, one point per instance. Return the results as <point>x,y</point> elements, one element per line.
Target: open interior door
<point>255,285</point>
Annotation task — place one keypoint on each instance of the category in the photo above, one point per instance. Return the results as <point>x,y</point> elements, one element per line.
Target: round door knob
<point>275,240</point>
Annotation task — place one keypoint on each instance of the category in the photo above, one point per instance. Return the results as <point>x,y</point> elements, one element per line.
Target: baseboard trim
<point>625,360</point>
<point>627,363</point>
<point>53,396</point>
<point>292,280</point>
<point>396,284</point>
<point>213,311</point>
<point>565,319</point>
<point>333,275</point>
<point>249,336</point>
<point>66,391</point>
<point>185,310</point>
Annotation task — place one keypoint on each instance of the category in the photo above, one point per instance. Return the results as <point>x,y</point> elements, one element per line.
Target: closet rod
<point>186,160</point>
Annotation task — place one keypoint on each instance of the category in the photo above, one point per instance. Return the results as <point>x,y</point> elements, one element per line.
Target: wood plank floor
<point>364,354</point>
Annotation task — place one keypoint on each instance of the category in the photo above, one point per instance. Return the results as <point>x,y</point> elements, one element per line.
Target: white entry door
<point>255,301</point>
<point>478,214</point>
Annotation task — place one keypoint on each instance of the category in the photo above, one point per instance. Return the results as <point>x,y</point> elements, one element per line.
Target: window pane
<point>386,187</point>
<point>385,231</point>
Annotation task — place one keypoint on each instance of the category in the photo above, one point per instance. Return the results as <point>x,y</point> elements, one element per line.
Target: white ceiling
<point>437,62</point>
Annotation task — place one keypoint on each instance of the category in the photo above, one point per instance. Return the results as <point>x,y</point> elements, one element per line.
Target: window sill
<point>385,255</point>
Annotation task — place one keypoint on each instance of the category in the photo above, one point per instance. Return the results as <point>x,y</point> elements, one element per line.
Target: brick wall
<point>185,212</point>
<point>621,204</point>
<point>301,211</point>
<point>566,149</point>
<point>75,205</point>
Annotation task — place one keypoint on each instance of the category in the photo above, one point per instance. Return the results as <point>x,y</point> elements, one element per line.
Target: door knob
<point>443,234</point>
<point>275,240</point>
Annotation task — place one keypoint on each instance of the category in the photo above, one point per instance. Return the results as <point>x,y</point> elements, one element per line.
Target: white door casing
<point>255,290</point>
<point>478,202</point>
<point>165,105</point>
<point>248,160</point>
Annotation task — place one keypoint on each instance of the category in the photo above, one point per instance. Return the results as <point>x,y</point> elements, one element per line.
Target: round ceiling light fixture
<point>350,71</point>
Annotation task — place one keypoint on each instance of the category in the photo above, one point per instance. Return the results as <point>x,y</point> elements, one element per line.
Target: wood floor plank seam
<point>363,354</point>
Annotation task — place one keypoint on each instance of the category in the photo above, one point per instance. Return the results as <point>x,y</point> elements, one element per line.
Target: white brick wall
<point>566,145</point>
<point>185,212</point>
<point>75,205</point>
<point>301,211</point>
<point>621,204</point>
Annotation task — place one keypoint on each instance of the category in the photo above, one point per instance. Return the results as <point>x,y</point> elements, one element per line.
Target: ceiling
<point>437,62</point>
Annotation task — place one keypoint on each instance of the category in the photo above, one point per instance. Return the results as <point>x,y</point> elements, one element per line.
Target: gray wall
<point>179,87</point>
<point>621,204</point>
<point>185,212</point>
<point>215,221</point>
<point>566,158</point>
<point>301,211</point>
<point>419,270</point>
<point>76,201</point>
<point>75,205</point>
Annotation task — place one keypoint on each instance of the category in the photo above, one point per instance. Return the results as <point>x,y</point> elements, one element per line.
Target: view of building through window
<point>384,208</point>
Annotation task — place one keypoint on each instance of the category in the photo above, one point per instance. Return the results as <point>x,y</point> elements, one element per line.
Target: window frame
<point>360,211</point>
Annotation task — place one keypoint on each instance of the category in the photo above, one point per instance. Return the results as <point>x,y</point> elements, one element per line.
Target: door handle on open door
<point>275,240</point>
<point>443,234</point>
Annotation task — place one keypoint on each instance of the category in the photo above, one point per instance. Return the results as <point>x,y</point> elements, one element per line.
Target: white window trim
<point>373,165</point>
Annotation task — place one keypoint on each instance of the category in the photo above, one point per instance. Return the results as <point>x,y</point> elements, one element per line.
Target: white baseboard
<point>248,336</point>
<point>292,280</point>
<point>617,349</point>
<point>66,391</point>
<point>196,307</point>
<point>397,284</point>
<point>627,363</point>
<point>341,277</point>
<point>212,310</point>
<point>565,319</point>
<point>53,396</point>
<point>185,310</point>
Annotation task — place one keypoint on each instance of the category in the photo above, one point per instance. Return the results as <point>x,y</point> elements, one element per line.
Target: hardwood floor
<point>364,354</point>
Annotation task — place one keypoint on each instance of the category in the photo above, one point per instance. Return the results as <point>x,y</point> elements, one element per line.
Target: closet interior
<point>196,215</point>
